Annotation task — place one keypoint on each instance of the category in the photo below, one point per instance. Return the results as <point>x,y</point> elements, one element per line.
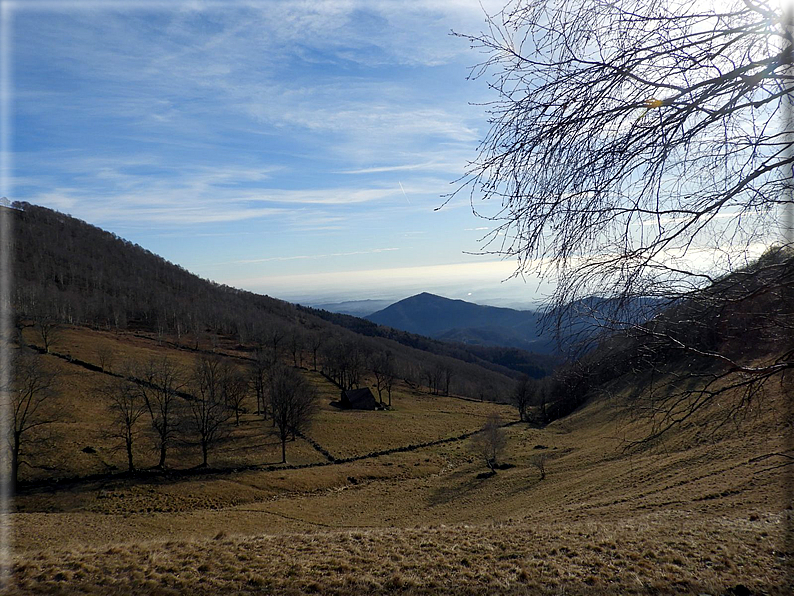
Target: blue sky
<point>297,149</point>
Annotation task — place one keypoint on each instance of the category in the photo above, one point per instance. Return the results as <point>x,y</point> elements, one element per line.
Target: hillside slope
<point>401,501</point>
<point>70,272</point>
<point>702,514</point>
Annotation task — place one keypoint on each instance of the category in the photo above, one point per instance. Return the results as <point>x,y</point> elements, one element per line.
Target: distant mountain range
<point>356,308</point>
<point>460,321</point>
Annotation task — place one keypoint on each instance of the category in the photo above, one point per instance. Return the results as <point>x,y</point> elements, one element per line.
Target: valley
<point>701,513</point>
<point>587,497</point>
<point>350,298</point>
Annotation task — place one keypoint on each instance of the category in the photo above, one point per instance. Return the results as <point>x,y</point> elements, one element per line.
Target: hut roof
<point>360,399</point>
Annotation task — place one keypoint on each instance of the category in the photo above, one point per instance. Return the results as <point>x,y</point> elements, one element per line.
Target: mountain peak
<point>446,318</point>
<point>425,296</point>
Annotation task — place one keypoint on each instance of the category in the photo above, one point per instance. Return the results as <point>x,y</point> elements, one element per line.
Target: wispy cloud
<point>141,189</point>
<point>312,257</point>
<point>301,126</point>
<point>425,165</point>
<point>220,68</point>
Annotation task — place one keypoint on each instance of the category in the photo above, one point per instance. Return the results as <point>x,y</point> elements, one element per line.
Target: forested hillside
<point>69,272</point>
<point>725,343</point>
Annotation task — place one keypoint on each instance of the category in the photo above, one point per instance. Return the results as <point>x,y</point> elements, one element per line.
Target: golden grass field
<point>702,513</point>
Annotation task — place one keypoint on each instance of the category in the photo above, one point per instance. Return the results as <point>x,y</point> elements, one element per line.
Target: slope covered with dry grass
<point>705,511</point>
<point>650,554</point>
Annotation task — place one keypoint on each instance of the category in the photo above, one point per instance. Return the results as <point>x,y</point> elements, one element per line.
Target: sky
<point>296,149</point>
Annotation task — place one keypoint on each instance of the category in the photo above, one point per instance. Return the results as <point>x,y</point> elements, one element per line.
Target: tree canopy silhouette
<point>635,148</point>
<point>639,156</point>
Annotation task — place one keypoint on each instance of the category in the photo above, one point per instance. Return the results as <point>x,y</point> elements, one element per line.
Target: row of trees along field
<point>199,405</point>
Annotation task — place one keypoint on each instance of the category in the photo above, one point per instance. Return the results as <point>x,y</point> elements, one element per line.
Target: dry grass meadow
<point>705,512</point>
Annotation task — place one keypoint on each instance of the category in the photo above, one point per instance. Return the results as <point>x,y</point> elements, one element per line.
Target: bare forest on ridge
<point>69,272</point>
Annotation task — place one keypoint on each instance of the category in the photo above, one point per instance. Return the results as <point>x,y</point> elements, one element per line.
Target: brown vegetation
<point>379,501</point>
<point>701,513</point>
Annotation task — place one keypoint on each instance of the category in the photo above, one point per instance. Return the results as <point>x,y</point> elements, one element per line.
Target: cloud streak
<point>295,130</point>
<point>312,257</point>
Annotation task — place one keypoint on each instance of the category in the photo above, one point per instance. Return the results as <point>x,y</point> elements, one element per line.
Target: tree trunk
<point>284,449</point>
<point>15,462</point>
<point>130,466</point>
<point>161,463</point>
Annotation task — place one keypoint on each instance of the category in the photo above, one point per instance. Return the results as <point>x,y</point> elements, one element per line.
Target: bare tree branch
<point>638,158</point>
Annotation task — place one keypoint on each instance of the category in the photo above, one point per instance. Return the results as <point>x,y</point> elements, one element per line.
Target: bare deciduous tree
<point>127,406</point>
<point>356,361</point>
<point>47,328</point>
<point>628,136</point>
<point>388,381</point>
<point>490,441</point>
<point>640,152</point>
<point>382,366</point>
<point>32,391</point>
<point>316,339</point>
<point>296,341</point>
<point>258,378</point>
<point>273,337</point>
<point>105,357</point>
<point>522,397</point>
<point>345,361</point>
<point>235,392</point>
<point>208,408</point>
<point>292,403</point>
<point>447,372</point>
<point>161,379</point>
